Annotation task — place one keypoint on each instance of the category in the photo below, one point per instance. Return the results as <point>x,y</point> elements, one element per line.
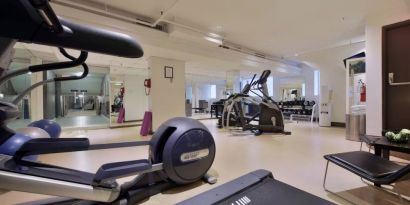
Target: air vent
<point>158,27</point>
<point>260,55</point>
<point>114,14</point>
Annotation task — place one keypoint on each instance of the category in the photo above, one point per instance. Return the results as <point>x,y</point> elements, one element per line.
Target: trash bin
<point>355,126</point>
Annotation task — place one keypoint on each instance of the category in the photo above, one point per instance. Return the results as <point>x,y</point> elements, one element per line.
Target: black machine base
<point>258,187</point>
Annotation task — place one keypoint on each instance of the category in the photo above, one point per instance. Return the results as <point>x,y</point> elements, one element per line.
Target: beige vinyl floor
<point>296,160</point>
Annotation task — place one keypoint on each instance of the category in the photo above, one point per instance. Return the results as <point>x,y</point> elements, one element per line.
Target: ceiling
<point>275,27</point>
<point>283,29</point>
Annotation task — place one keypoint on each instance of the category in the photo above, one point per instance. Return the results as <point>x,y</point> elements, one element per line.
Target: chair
<point>368,166</point>
<point>203,104</point>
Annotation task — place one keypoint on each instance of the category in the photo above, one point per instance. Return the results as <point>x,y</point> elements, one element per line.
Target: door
<point>396,74</point>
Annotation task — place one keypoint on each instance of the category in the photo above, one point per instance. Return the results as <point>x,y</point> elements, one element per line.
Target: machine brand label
<point>242,201</point>
<point>195,155</point>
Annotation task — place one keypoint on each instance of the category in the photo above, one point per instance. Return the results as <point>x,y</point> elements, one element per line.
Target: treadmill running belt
<point>271,191</point>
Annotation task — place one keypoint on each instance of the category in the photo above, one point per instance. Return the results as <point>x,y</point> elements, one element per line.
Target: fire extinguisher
<point>147,84</point>
<point>362,91</point>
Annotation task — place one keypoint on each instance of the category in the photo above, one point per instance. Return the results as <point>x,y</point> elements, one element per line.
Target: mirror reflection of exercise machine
<point>290,94</point>
<point>117,93</point>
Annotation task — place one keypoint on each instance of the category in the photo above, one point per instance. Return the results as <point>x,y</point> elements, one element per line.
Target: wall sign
<point>168,72</point>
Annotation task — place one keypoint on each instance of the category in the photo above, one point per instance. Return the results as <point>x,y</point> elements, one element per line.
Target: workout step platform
<point>259,188</point>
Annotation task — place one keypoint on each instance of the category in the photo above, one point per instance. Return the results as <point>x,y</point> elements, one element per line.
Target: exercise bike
<point>180,152</point>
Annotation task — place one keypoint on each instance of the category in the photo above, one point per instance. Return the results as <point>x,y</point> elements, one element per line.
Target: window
<point>303,89</point>
<point>316,82</point>
<point>188,93</point>
<point>269,83</point>
<point>213,91</point>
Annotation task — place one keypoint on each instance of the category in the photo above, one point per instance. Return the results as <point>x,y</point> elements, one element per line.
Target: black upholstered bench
<point>368,166</point>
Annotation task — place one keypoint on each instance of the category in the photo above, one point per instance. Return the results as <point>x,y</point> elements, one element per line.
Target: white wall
<point>374,25</point>
<point>220,91</point>
<point>90,83</point>
<point>202,91</point>
<point>167,98</point>
<point>135,100</point>
<point>332,73</point>
<point>36,95</point>
<point>308,75</point>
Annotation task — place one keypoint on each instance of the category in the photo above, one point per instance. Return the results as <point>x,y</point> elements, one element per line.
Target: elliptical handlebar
<point>44,67</point>
<point>264,77</point>
<point>33,21</point>
<point>45,10</point>
<point>253,78</point>
<point>80,60</point>
<point>74,77</point>
<point>60,65</point>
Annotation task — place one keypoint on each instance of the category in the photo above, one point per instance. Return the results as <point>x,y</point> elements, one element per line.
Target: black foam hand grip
<point>34,21</point>
<point>264,77</point>
<point>60,65</point>
<point>52,145</point>
<point>88,38</point>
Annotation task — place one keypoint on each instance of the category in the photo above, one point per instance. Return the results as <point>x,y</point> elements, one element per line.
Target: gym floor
<point>296,160</point>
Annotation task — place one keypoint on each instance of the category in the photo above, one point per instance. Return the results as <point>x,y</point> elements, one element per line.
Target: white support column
<point>167,96</point>
<point>194,95</point>
<point>36,95</point>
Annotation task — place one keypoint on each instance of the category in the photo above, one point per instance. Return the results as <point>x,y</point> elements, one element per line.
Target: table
<point>217,109</point>
<point>382,146</point>
<point>199,109</point>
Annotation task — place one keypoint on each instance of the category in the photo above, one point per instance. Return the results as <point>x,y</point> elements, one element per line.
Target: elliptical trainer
<point>181,151</point>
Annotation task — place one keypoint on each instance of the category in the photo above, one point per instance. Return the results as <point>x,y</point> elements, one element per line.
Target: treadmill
<point>258,187</point>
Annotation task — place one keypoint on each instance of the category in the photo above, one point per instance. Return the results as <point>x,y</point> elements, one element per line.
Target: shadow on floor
<point>369,195</point>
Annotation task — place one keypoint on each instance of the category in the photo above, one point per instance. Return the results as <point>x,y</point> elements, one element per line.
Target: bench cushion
<point>365,162</point>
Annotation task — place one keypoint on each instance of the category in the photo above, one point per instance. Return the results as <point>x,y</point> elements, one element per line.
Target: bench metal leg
<point>401,197</point>
<point>332,192</point>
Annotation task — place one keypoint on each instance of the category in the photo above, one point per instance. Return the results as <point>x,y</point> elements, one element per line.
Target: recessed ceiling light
<point>213,40</point>
<point>296,54</point>
<point>78,73</point>
<point>250,63</point>
<point>214,35</point>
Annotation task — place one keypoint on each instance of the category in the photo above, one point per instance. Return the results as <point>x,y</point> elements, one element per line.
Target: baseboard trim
<point>123,126</point>
<point>338,124</point>
<point>140,120</point>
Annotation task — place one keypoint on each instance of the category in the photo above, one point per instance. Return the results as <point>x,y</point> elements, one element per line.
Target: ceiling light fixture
<point>282,70</point>
<point>214,35</point>
<point>213,40</point>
